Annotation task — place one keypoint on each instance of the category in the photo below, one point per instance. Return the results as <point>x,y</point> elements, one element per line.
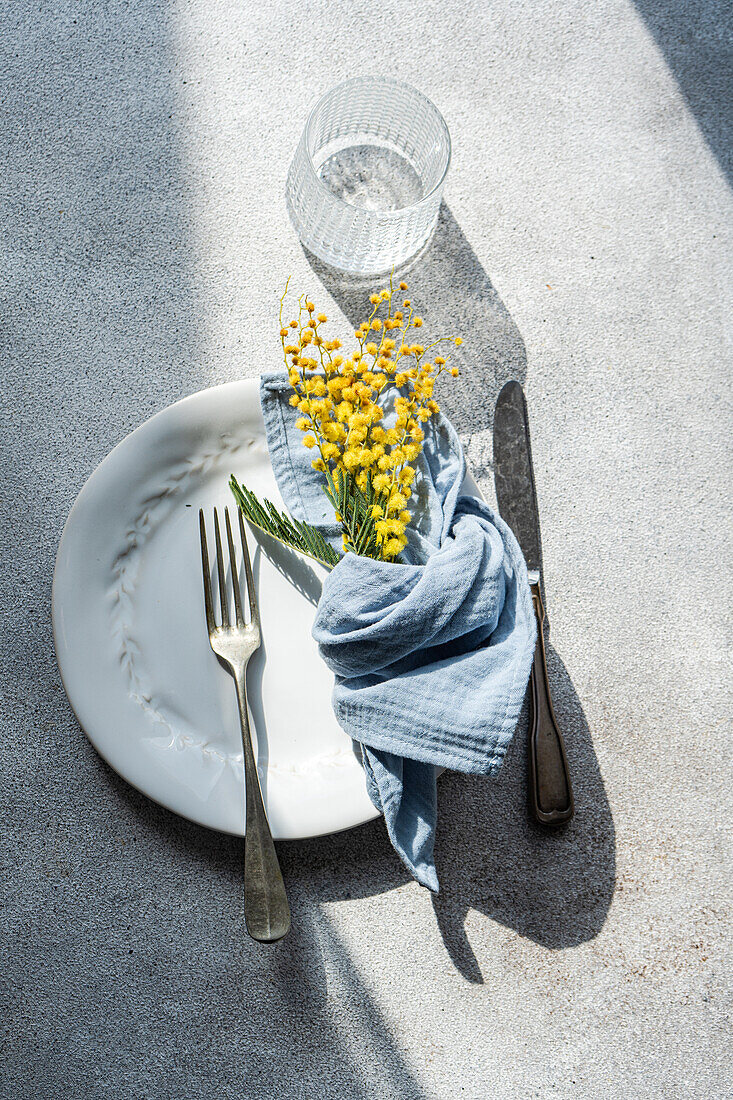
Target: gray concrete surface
<point>584,248</point>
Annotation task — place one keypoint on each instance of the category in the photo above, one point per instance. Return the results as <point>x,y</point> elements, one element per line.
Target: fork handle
<point>266,909</point>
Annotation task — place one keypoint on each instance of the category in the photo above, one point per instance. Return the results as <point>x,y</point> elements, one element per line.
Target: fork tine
<point>235,572</point>
<point>248,573</point>
<point>222,575</point>
<point>210,624</point>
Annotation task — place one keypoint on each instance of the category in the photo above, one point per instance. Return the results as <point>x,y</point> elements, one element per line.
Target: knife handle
<point>551,791</point>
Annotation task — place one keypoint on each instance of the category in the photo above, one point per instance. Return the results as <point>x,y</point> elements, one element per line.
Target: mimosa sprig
<point>365,414</point>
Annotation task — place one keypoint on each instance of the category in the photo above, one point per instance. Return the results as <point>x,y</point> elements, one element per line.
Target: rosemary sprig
<point>291,532</point>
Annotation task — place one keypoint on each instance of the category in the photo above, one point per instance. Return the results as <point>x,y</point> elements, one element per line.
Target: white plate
<point>132,645</point>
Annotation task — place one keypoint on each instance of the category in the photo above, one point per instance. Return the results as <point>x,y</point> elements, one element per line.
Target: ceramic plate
<point>132,645</point>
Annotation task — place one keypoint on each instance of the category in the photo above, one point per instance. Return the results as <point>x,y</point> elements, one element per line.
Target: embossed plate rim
<point>356,807</point>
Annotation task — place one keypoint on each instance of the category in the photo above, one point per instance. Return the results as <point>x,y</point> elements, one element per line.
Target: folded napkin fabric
<point>431,656</point>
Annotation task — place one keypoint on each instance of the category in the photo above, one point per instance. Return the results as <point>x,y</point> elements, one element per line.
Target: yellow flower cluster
<point>343,400</point>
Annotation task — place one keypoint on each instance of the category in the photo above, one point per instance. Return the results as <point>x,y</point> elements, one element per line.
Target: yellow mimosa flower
<point>339,399</point>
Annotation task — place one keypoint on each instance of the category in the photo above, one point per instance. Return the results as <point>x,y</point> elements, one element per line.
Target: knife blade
<point>550,787</point>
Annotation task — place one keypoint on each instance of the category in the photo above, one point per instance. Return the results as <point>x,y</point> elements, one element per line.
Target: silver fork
<point>266,910</point>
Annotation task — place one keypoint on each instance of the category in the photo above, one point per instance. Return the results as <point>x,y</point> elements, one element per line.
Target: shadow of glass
<point>455,295</point>
<point>697,43</point>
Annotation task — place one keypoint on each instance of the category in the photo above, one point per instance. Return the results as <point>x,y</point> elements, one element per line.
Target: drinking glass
<point>364,188</point>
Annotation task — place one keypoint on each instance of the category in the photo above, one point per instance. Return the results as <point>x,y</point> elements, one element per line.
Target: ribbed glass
<point>365,184</point>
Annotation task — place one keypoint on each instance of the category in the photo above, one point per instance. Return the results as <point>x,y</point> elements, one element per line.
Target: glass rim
<point>390,81</point>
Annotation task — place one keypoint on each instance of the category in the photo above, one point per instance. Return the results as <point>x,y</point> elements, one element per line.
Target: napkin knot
<point>431,656</point>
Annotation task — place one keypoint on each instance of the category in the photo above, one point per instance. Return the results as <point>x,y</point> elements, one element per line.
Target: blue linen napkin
<point>431,657</point>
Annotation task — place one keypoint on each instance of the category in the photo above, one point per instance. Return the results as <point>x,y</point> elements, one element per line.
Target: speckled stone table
<point>584,249</point>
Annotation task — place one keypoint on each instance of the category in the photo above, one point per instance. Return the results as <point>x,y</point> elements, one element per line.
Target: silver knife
<point>551,790</point>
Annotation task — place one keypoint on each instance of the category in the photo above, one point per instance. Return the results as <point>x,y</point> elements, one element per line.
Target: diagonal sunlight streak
<point>582,244</point>
<point>696,43</point>
<point>450,277</point>
<point>555,893</point>
<point>367,1040</point>
<point>697,66</point>
<point>311,991</point>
